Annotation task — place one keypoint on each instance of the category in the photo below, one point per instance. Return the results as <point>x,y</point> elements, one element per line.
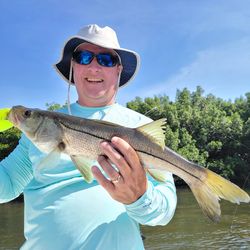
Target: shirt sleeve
<point>15,172</point>
<point>157,205</point>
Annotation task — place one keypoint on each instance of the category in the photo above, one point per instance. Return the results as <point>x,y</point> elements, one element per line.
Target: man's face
<point>96,85</point>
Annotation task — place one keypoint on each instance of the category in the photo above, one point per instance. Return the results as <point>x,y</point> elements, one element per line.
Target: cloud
<point>223,71</point>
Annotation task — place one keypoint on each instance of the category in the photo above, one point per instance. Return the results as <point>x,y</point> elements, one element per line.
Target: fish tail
<point>209,188</point>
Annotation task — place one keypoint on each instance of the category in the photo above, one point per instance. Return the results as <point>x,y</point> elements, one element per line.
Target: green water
<point>11,225</point>
<point>189,229</point>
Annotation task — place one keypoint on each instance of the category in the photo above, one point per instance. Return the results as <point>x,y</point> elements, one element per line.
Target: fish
<point>57,133</point>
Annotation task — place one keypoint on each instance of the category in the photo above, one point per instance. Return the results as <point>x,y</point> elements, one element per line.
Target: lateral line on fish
<point>80,131</point>
<point>189,173</point>
<point>135,149</point>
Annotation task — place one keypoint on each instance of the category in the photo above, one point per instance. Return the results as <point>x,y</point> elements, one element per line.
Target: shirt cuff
<point>144,201</point>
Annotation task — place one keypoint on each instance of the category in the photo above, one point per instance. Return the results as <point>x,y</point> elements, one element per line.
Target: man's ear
<point>120,67</point>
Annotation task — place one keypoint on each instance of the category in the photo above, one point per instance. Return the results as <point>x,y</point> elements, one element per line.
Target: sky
<point>182,44</point>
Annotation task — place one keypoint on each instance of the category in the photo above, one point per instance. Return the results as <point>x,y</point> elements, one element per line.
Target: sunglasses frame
<point>114,59</point>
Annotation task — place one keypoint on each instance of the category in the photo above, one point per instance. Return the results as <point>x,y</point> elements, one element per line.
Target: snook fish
<point>54,133</point>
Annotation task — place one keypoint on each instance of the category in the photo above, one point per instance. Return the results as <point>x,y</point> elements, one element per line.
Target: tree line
<point>210,131</point>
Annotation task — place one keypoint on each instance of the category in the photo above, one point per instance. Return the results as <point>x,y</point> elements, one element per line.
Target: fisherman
<point>62,211</point>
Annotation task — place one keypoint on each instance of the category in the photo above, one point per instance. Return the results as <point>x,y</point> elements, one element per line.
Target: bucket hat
<point>104,37</point>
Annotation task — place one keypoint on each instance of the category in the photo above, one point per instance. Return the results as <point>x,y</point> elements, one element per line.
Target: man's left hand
<point>130,183</point>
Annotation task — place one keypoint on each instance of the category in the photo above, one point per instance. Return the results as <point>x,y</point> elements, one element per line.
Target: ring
<point>117,179</point>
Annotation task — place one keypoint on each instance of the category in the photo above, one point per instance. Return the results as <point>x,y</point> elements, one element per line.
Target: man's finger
<point>102,180</point>
<point>128,152</point>
<point>116,158</point>
<point>107,167</point>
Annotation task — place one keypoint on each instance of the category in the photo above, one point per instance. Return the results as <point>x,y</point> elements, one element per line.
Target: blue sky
<point>181,43</point>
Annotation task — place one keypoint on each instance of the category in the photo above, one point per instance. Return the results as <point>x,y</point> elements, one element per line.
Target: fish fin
<point>155,131</point>
<point>49,161</point>
<point>226,189</point>
<point>207,200</point>
<point>158,175</point>
<point>210,189</point>
<point>4,123</point>
<point>84,166</point>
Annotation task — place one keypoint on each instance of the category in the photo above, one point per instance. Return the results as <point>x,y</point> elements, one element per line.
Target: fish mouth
<point>93,80</point>
<point>14,117</point>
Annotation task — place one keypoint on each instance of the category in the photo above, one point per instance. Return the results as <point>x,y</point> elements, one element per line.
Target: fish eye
<point>27,113</point>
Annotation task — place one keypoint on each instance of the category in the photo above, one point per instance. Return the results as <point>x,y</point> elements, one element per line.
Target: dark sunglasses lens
<point>106,60</point>
<point>83,57</point>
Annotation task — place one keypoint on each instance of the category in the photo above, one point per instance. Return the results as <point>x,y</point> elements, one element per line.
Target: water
<point>189,229</point>
<point>11,225</point>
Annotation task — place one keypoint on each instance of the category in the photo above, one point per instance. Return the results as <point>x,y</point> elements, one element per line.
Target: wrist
<point>144,200</point>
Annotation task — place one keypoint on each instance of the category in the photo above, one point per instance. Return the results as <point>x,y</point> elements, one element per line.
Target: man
<point>62,211</point>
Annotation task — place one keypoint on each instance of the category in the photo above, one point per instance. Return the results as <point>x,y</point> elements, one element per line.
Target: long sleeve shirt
<point>62,211</point>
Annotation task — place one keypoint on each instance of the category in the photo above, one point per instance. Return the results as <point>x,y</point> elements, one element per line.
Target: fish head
<point>26,119</point>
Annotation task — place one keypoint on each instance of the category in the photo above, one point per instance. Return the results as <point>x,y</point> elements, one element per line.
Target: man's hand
<point>130,183</point>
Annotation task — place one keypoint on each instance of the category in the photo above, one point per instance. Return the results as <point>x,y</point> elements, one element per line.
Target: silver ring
<point>117,179</point>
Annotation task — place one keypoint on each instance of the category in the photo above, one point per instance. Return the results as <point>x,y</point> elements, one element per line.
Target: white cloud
<point>222,71</point>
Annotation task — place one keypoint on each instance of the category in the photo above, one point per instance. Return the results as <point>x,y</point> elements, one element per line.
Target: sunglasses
<point>85,57</point>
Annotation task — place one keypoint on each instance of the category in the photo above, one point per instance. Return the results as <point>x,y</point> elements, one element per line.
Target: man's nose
<point>94,65</point>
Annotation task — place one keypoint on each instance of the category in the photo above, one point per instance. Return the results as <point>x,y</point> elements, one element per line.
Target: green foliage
<point>54,106</point>
<point>8,141</point>
<point>210,131</point>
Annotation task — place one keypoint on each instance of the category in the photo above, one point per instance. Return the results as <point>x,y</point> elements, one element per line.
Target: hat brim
<point>130,60</point>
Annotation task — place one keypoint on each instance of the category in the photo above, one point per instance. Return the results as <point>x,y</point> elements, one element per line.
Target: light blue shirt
<point>62,211</point>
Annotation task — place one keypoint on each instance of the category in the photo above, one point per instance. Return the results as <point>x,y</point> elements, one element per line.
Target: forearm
<point>156,206</point>
<point>15,172</point>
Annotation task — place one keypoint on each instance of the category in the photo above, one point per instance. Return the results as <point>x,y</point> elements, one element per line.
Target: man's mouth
<point>94,80</point>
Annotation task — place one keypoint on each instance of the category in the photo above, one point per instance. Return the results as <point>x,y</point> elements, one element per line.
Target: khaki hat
<point>104,37</point>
